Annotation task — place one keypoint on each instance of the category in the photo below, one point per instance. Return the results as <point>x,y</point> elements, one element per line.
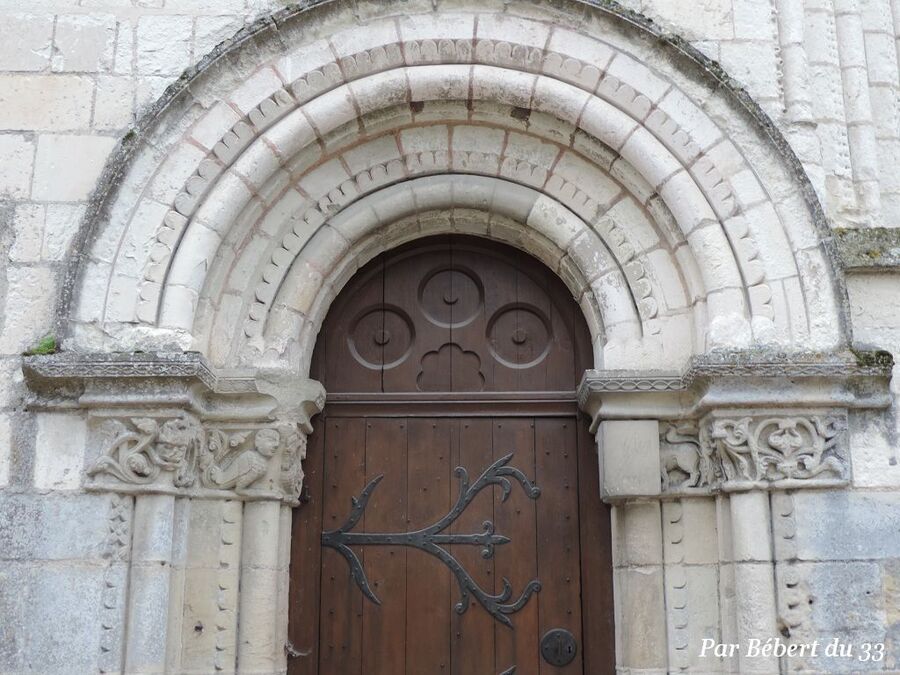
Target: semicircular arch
<point>665,226</point>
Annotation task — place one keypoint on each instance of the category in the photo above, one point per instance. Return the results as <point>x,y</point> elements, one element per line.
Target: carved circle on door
<point>451,298</point>
<point>381,337</point>
<point>519,336</point>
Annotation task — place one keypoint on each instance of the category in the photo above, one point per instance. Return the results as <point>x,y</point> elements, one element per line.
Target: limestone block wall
<point>826,72</point>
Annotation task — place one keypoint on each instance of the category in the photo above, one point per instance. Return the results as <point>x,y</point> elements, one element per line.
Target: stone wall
<point>74,78</point>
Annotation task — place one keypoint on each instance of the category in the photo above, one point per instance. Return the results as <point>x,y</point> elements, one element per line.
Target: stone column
<point>640,605</point>
<point>151,566</point>
<point>258,649</point>
<point>754,570</point>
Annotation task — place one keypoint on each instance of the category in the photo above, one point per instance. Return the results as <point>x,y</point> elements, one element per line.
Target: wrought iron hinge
<point>431,539</point>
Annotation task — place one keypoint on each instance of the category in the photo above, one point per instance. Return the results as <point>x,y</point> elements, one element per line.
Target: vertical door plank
<point>351,353</point>
<point>306,560</point>
<point>340,616</point>
<point>427,578</point>
<point>555,372</point>
<point>384,634</point>
<point>596,561</point>
<point>472,632</point>
<point>418,287</point>
<point>493,340</point>
<point>556,455</point>
<point>517,560</point>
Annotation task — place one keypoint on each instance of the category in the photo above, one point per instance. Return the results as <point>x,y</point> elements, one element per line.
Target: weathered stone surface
<point>641,603</point>
<point>868,522</point>
<point>16,164</point>
<point>5,449</point>
<point>28,310</point>
<point>163,44</point>
<point>67,167</point>
<point>53,527</point>
<point>59,451</point>
<point>84,43</point>
<point>869,249</point>
<point>34,103</point>
<point>847,605</point>
<point>25,41</point>
<point>54,607</point>
<point>629,452</point>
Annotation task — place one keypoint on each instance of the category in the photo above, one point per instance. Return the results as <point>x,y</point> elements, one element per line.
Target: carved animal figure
<point>249,466</point>
<point>680,453</point>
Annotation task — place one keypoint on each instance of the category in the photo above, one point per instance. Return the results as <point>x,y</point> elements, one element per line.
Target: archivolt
<point>245,211</point>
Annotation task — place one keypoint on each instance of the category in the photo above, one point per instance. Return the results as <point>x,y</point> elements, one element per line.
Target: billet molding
<point>168,423</point>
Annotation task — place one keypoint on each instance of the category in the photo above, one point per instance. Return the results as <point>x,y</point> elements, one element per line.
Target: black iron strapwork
<point>430,539</point>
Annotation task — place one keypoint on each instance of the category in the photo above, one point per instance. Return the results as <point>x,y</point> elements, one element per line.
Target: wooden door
<point>453,521</point>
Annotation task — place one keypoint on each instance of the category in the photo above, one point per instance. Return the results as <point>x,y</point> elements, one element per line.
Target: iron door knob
<point>558,647</point>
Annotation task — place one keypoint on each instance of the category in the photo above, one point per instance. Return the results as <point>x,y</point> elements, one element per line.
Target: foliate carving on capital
<point>176,452</point>
<point>777,448</point>
<point>731,451</point>
<point>143,448</point>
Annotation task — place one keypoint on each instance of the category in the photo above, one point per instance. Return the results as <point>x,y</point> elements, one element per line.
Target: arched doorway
<point>453,518</point>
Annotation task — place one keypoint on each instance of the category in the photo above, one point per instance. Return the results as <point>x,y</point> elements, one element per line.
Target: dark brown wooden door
<point>453,522</point>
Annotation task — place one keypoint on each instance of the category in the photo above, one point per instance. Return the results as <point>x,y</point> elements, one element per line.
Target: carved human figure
<point>250,465</point>
<point>138,456</point>
<point>292,461</point>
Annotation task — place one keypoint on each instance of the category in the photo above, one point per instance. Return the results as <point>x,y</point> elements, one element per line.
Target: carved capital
<point>175,452</point>
<point>733,450</point>
<point>169,423</point>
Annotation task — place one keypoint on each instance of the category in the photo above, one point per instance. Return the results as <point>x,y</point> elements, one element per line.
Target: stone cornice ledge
<point>71,379</point>
<point>873,249</point>
<point>851,379</point>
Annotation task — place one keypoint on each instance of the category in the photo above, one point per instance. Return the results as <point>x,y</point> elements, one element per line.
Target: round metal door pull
<point>558,647</point>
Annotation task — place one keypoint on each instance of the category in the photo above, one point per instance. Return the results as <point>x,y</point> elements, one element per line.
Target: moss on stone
<point>46,345</point>
<point>872,358</point>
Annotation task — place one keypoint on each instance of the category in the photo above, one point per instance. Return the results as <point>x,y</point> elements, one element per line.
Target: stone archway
<point>661,196</point>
